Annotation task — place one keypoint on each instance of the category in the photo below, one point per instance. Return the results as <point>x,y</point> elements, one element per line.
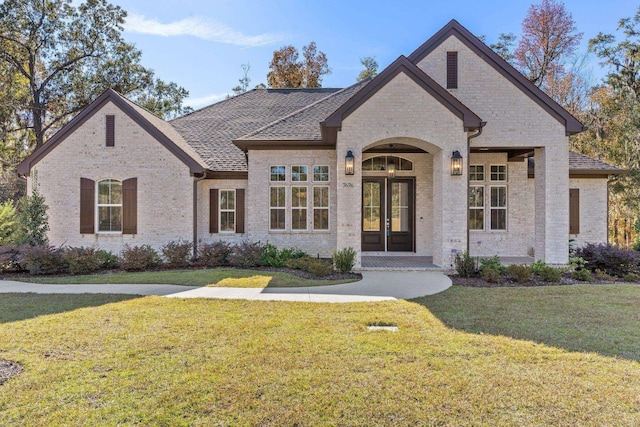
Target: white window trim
<point>506,173</point>
<point>284,208</point>
<point>305,208</point>
<point>484,173</point>
<point>505,208</point>
<point>278,166</point>
<point>327,208</point>
<point>483,208</point>
<point>321,166</point>
<point>99,205</point>
<point>298,166</point>
<point>220,210</point>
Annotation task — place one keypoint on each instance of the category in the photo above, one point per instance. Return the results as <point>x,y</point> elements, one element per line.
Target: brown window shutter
<point>452,70</point>
<point>130,206</point>
<point>111,131</point>
<point>87,206</point>
<point>574,211</point>
<point>213,210</point>
<point>240,210</point>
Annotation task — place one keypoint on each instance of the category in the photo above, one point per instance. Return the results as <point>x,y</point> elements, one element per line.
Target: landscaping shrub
<point>108,260</point>
<point>631,277</point>
<point>177,253</point>
<point>10,258</point>
<point>82,260</point>
<point>43,259</point>
<point>583,275</point>
<point>246,254</point>
<point>214,254</point>
<point>520,273</point>
<point>274,257</point>
<point>138,258</point>
<point>550,274</point>
<point>538,267</point>
<point>466,266</point>
<point>8,223</point>
<point>315,266</point>
<point>610,259</point>
<point>636,246</point>
<point>577,263</point>
<point>602,275</point>
<point>344,259</point>
<point>493,263</point>
<point>491,275</point>
<point>33,218</point>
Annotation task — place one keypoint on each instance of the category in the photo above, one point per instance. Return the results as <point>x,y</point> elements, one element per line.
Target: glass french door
<point>388,214</point>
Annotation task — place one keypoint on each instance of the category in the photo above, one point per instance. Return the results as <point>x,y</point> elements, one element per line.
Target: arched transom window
<point>380,163</point>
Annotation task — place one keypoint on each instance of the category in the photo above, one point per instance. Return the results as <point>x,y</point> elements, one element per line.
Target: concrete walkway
<point>374,286</point>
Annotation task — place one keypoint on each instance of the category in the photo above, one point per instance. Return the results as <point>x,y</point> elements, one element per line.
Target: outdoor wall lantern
<point>391,169</point>
<point>456,163</point>
<point>348,163</point>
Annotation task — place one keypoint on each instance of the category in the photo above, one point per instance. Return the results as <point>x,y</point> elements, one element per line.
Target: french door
<point>388,211</point>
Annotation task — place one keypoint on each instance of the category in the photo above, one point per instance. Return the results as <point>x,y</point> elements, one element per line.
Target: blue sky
<point>201,44</point>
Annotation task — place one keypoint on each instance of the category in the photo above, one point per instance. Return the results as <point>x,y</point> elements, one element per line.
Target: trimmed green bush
<point>466,266</point>
<point>538,266</point>
<point>493,263</point>
<point>583,275</point>
<point>317,267</point>
<point>491,275</point>
<point>520,273</point>
<point>177,253</point>
<point>631,277</point>
<point>344,259</point>
<point>550,274</point>
<point>108,260</point>
<point>139,258</point>
<point>8,223</point>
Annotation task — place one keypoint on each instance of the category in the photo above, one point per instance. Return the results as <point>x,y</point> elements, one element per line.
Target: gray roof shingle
<point>582,163</point>
<point>211,130</point>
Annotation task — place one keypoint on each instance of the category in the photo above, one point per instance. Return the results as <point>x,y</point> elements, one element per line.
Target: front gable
<point>491,86</point>
<point>141,118</point>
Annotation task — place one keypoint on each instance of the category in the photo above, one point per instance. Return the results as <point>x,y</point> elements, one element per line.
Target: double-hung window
<point>277,208</point>
<point>321,173</point>
<point>228,211</point>
<point>298,208</point>
<point>109,205</point>
<point>498,197</point>
<point>476,207</point>
<point>321,208</point>
<point>299,174</point>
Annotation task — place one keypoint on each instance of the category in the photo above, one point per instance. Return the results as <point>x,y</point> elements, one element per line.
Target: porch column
<point>449,209</point>
<point>349,201</point>
<point>552,204</point>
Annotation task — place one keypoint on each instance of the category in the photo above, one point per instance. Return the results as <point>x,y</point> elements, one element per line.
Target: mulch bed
<point>9,369</point>
<point>479,282</point>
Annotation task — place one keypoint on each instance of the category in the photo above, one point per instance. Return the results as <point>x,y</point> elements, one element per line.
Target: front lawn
<point>173,362</point>
<point>225,277</point>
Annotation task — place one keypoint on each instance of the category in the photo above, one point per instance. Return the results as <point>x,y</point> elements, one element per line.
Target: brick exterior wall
<point>321,243</point>
<point>165,196</point>
<point>593,210</point>
<point>203,210</point>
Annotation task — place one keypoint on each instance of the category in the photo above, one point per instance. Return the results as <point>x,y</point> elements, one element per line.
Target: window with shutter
<point>87,206</point>
<point>213,210</point>
<point>130,206</point>
<point>240,210</point>
<point>452,70</point>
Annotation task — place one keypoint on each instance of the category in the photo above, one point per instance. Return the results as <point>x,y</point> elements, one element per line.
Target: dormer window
<point>452,70</point>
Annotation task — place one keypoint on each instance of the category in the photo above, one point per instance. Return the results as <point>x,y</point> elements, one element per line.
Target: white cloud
<point>203,101</point>
<point>198,27</point>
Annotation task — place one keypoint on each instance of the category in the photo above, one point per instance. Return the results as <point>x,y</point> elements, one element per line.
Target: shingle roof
<point>581,163</point>
<point>304,124</point>
<point>211,130</point>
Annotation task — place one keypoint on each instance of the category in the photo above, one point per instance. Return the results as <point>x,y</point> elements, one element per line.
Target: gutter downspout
<point>196,180</point>
<point>469,138</point>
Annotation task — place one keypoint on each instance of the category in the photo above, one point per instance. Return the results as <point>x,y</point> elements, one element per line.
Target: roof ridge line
<point>306,107</point>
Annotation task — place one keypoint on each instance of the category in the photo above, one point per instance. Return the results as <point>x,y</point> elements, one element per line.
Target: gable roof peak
<point>454,28</point>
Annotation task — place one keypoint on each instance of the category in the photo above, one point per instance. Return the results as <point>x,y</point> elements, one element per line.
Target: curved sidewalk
<point>374,286</point>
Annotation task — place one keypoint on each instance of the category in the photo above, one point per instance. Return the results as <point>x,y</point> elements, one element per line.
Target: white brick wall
<point>593,210</point>
<point>165,197</point>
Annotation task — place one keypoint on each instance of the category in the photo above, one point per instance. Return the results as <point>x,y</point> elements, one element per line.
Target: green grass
<point>225,277</point>
<point>598,318</point>
<point>171,362</point>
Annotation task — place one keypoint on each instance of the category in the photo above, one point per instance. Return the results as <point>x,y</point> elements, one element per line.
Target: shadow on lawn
<point>23,306</point>
<point>608,328</point>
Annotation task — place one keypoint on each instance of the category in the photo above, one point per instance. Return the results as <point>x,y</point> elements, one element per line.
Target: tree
<point>33,217</point>
<point>548,39</point>
<point>68,55</point>
<point>287,71</point>
<point>370,68</point>
<point>504,47</point>
<point>244,80</point>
